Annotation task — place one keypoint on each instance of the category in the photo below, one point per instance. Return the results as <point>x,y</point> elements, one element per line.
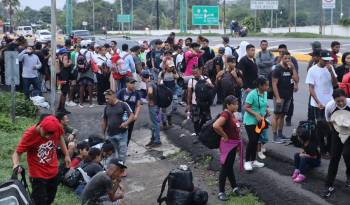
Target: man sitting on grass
<point>104,187</point>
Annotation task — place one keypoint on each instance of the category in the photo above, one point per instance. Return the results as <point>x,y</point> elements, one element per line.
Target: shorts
<point>283,107</point>
<point>65,89</point>
<point>86,81</point>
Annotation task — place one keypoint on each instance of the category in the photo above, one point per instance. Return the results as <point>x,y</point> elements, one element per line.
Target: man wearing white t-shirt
<point>321,79</point>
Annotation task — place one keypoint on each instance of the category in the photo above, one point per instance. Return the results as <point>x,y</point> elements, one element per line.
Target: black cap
<point>106,45</point>
<point>231,59</point>
<point>135,48</point>
<point>130,80</point>
<point>145,74</point>
<point>118,163</point>
<point>326,55</point>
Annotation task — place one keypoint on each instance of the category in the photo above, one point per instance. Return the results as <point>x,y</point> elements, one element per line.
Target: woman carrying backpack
<point>228,127</point>
<point>254,121</point>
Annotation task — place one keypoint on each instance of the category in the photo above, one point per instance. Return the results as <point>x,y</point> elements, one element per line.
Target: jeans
<point>305,163</point>
<point>227,171</point>
<point>338,149</point>
<point>44,190</point>
<point>155,119</point>
<point>31,81</point>
<point>120,144</point>
<point>322,130</point>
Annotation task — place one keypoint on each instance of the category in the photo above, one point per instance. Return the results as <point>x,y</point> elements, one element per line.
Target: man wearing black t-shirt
<point>284,77</point>
<point>247,65</point>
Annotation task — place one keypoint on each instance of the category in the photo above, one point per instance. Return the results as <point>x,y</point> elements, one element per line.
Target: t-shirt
<point>101,184</point>
<point>231,126</point>
<point>137,62</point>
<point>191,60</point>
<point>75,162</point>
<point>249,71</point>
<point>332,106</point>
<point>92,168</point>
<point>41,153</point>
<point>285,82</point>
<point>312,148</point>
<point>322,81</point>
<point>192,84</point>
<point>341,71</point>
<point>113,114</point>
<point>129,97</point>
<point>258,103</point>
<point>65,72</point>
<point>157,56</point>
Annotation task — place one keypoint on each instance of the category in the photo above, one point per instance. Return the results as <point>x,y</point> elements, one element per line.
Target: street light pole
<point>121,12</point>
<point>341,9</point>
<point>112,11</point>
<point>295,16</point>
<point>224,18</point>
<point>53,57</point>
<point>132,15</point>
<point>157,5</point>
<point>93,16</point>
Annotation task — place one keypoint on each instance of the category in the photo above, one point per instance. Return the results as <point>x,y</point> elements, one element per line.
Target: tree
<point>12,6</point>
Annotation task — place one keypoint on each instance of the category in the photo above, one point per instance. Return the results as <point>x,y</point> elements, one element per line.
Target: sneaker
<point>71,104</point>
<point>149,144</point>
<point>248,166</point>
<point>237,192</point>
<point>300,178</point>
<point>155,145</point>
<point>263,149</point>
<point>277,140</point>
<point>284,138</point>
<point>222,196</point>
<point>193,134</point>
<point>92,105</point>
<point>261,155</point>
<point>328,192</point>
<point>81,106</point>
<point>295,174</point>
<point>258,164</point>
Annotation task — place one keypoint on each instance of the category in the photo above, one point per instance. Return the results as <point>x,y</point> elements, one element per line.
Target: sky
<point>37,4</point>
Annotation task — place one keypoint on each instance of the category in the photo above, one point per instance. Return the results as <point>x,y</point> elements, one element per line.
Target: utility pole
<point>69,17</point>
<point>224,18</point>
<point>174,14</point>
<point>295,16</point>
<point>183,16</point>
<point>321,20</point>
<point>93,16</point>
<point>157,5</point>
<point>132,15</point>
<point>341,9</point>
<point>112,11</point>
<point>53,57</point>
<point>121,12</point>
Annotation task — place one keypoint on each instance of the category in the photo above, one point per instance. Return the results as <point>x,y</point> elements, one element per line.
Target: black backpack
<point>228,84</point>
<point>207,136</point>
<point>149,59</point>
<point>204,93</point>
<point>182,65</point>
<point>15,191</point>
<point>82,64</point>
<point>164,96</point>
<point>181,190</point>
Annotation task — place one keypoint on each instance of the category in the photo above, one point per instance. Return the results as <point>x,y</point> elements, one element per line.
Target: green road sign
<point>124,18</point>
<point>205,15</point>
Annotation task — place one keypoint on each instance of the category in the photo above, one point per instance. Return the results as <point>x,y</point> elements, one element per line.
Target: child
<point>308,158</point>
<point>83,148</point>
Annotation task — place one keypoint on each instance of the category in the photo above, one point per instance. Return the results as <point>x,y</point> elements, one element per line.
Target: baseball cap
<point>62,51</point>
<point>145,74</point>
<point>326,55</point>
<point>130,80</point>
<point>221,50</point>
<point>231,59</point>
<point>118,163</point>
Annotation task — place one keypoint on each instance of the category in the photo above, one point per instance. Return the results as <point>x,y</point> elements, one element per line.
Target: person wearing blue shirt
<point>133,99</point>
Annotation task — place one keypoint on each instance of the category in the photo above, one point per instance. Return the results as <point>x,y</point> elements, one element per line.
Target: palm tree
<point>11,5</point>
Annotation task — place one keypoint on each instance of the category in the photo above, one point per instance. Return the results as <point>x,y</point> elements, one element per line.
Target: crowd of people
<point>239,78</point>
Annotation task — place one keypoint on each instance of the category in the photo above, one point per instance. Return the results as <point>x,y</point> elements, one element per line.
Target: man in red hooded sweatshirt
<point>40,142</point>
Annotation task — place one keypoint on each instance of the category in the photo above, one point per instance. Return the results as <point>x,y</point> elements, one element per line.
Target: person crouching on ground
<point>105,187</point>
<point>308,158</point>
<point>228,127</point>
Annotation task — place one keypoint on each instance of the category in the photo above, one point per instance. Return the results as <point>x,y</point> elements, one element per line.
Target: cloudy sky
<point>37,4</point>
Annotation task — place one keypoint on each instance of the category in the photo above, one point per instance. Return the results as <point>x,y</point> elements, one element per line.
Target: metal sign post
<point>12,78</point>
<point>53,56</point>
<point>264,5</point>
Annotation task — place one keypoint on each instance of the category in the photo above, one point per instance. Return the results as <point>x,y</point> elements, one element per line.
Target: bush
<point>345,22</point>
<point>24,108</point>
<point>249,22</point>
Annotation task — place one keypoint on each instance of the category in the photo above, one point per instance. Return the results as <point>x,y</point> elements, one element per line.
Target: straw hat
<point>341,123</point>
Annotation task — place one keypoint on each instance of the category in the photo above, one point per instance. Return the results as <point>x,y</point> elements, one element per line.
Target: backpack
<point>82,64</point>
<point>345,84</point>
<point>149,59</point>
<point>164,96</point>
<point>207,136</point>
<point>228,84</point>
<point>204,93</point>
<point>15,191</point>
<point>182,65</point>
<point>74,177</point>
<point>181,190</point>
<point>305,128</point>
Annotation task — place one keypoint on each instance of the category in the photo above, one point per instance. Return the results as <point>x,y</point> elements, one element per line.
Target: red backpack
<point>345,84</point>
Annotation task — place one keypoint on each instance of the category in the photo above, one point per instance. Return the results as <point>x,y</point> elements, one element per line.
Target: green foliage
<point>249,22</point>
<point>24,108</point>
<point>345,22</point>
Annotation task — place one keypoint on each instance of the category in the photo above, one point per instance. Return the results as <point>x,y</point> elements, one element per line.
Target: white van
<point>24,31</point>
